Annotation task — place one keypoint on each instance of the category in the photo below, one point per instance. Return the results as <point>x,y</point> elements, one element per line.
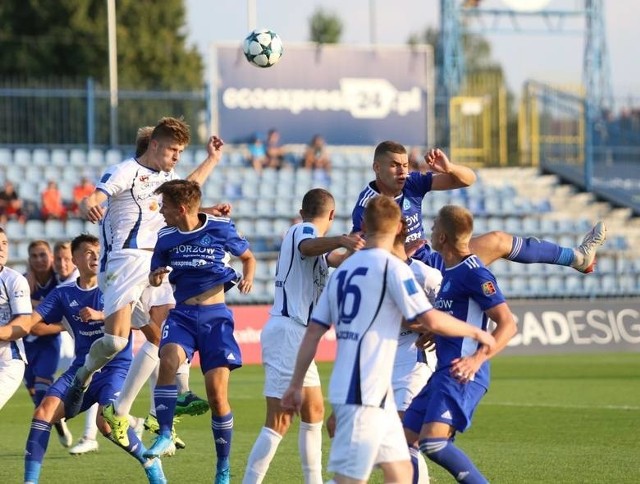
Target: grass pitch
<point>551,419</point>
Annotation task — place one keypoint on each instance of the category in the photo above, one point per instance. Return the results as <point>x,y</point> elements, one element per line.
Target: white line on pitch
<point>558,405</point>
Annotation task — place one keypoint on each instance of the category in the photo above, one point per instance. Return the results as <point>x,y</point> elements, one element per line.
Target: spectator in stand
<point>10,204</point>
<point>83,189</point>
<point>275,152</point>
<point>257,153</point>
<point>52,206</point>
<point>316,156</point>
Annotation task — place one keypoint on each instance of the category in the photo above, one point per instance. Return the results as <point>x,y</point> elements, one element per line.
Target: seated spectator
<point>10,204</point>
<point>275,152</point>
<point>82,190</point>
<point>316,156</point>
<point>257,154</point>
<point>52,206</point>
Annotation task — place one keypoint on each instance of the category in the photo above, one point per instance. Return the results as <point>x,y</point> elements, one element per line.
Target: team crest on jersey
<point>488,289</point>
<point>206,240</point>
<point>143,178</point>
<point>406,205</point>
<point>446,287</point>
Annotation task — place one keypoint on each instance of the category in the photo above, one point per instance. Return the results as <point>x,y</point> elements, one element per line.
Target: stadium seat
<point>59,157</point>
<point>95,157</point>
<point>54,229</point>
<point>15,230</point>
<point>34,229</point>
<point>78,157</point>
<point>113,157</point>
<point>73,227</point>
<point>91,228</point>
<point>40,157</point>
<point>6,157</point>
<point>22,157</point>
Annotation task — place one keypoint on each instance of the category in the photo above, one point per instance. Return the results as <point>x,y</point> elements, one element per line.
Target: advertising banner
<point>347,94</point>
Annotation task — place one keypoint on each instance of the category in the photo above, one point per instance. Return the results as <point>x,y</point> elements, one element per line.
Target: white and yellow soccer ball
<point>263,48</point>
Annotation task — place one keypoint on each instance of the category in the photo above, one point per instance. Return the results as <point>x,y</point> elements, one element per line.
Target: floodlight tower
<point>595,74</point>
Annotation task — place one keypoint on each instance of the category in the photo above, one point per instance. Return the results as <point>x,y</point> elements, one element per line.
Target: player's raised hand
<point>437,161</point>
<point>89,314</point>
<point>214,147</point>
<point>91,209</point>
<point>292,400</point>
<point>412,246</point>
<point>156,277</point>
<point>221,209</point>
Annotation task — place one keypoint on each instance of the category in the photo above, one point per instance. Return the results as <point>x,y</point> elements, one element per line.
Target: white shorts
<point>366,436</point>
<point>11,374</point>
<point>125,280</point>
<point>151,296</point>
<point>280,340</point>
<point>407,381</point>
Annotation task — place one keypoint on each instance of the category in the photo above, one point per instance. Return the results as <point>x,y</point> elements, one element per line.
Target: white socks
<point>90,427</point>
<point>310,448</point>
<point>182,377</point>
<point>261,456</point>
<point>142,366</point>
<point>102,351</point>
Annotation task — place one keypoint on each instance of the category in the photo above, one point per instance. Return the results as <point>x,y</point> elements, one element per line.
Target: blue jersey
<point>38,294</point>
<point>197,258</point>
<point>66,301</point>
<point>410,201</point>
<point>468,290</point>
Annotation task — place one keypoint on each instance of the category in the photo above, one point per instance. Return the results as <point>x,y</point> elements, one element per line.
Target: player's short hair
<point>389,147</point>
<point>173,129</point>
<point>181,192</point>
<point>456,222</point>
<point>381,215</point>
<point>317,201</point>
<point>60,245</point>
<point>142,139</point>
<point>37,243</point>
<point>83,239</point>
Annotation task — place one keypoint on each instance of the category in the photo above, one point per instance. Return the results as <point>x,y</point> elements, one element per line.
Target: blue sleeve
<point>235,244</point>
<point>484,288</point>
<point>159,258</point>
<point>356,218</point>
<point>418,183</point>
<point>51,308</point>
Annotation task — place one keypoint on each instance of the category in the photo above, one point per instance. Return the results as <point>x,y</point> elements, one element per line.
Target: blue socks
<point>37,443</point>
<point>135,448</point>
<point>445,454</point>
<point>222,432</point>
<point>532,250</point>
<point>41,390</point>
<point>165,397</point>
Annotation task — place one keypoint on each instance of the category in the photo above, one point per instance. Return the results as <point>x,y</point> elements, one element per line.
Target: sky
<point>535,52</point>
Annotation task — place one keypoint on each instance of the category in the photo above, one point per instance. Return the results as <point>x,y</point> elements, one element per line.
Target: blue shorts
<point>445,400</point>
<point>43,356</point>
<point>207,329</point>
<point>103,389</point>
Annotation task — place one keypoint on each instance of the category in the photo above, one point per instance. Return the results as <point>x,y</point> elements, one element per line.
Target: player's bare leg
<point>496,245</point>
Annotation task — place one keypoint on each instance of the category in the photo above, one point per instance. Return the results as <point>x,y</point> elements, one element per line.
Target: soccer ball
<point>263,48</point>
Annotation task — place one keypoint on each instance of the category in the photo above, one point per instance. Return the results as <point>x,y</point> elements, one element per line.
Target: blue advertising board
<point>348,94</point>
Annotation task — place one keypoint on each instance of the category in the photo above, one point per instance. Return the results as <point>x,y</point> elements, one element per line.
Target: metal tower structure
<point>459,16</point>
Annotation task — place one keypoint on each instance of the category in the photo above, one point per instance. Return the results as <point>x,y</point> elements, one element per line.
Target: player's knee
<point>114,344</point>
<point>432,448</point>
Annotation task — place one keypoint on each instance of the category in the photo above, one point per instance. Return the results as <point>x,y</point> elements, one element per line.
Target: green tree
<point>41,39</point>
<point>325,27</point>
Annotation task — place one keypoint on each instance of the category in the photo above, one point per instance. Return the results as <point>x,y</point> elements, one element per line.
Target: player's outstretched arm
<point>44,329</point>
<point>448,175</point>
<point>248,271</point>
<point>91,206</point>
<point>214,154</point>
<point>322,245</point>
<point>465,368</point>
<point>156,276</point>
<point>218,210</point>
<point>292,398</point>
<point>444,324</point>
<point>18,327</point>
